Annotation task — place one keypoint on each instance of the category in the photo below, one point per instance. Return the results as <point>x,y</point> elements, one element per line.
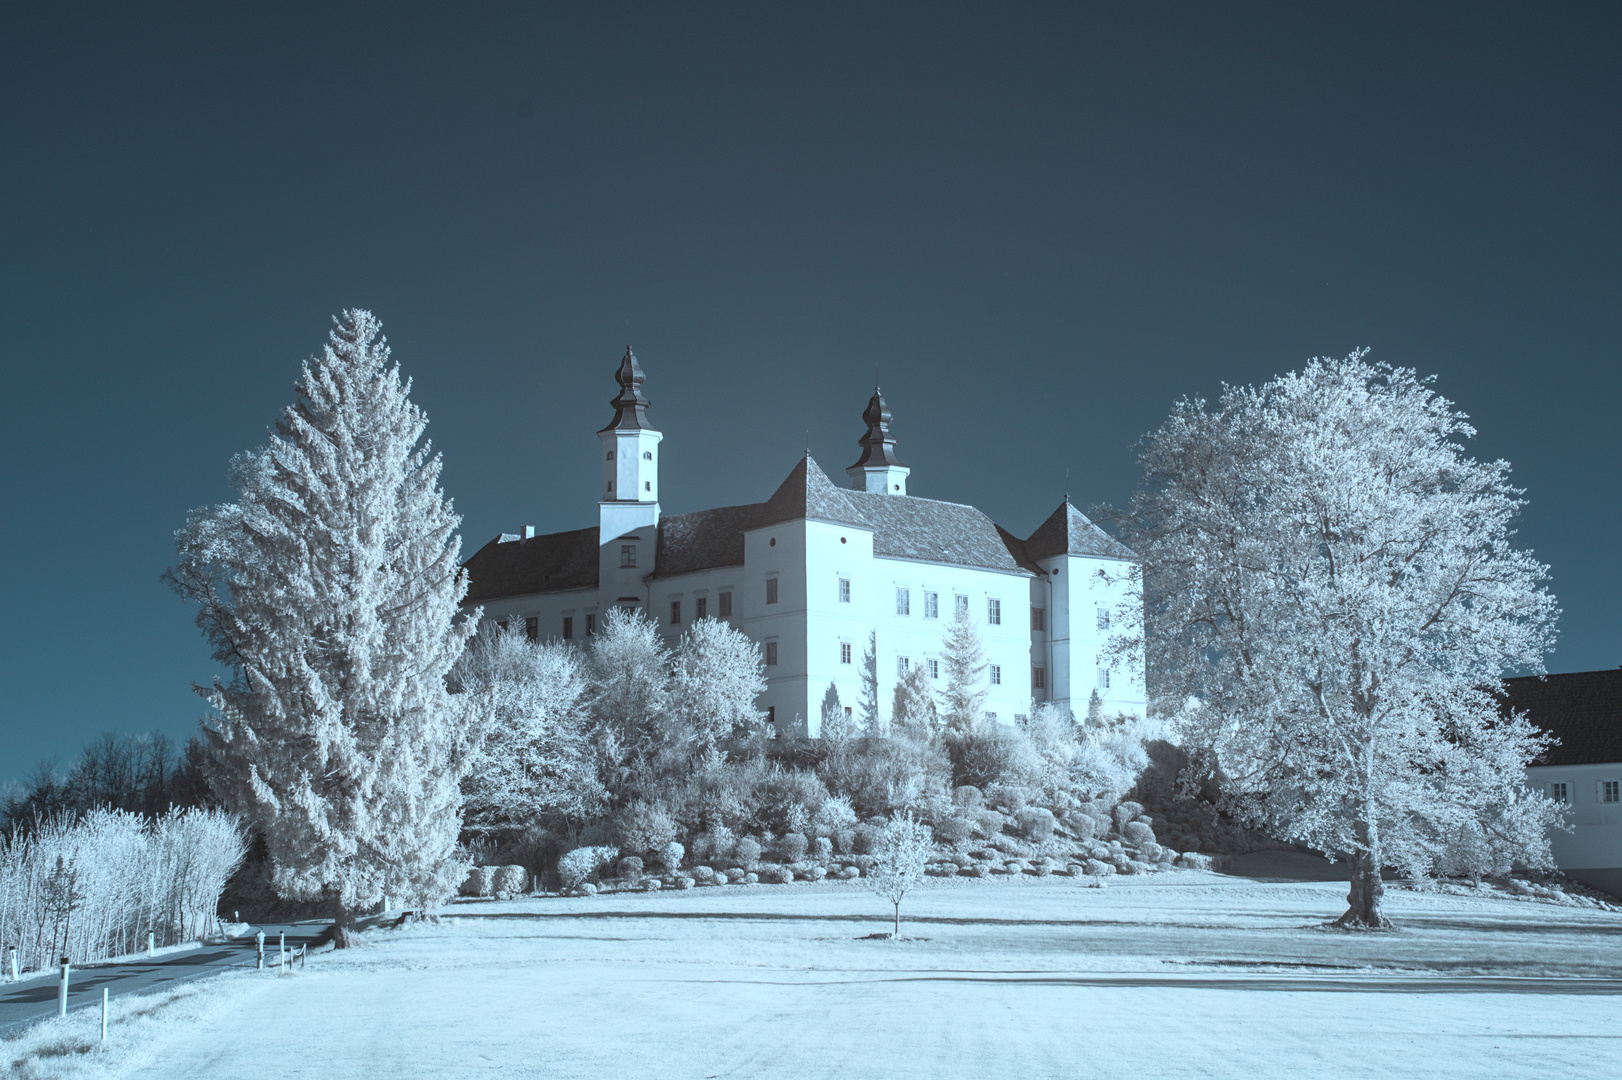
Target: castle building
<point>817,572</point>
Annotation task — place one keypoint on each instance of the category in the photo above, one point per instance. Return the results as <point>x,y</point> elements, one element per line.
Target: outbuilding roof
<point>515,566</point>
<point>1583,709</point>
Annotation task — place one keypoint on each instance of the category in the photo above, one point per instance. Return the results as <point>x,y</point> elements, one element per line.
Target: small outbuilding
<point>1583,710</point>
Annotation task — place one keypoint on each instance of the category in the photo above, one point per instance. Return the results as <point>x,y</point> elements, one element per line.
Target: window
<point>611,455</point>
<point>647,455</point>
<point>771,590</point>
<point>627,556</point>
<point>1103,678</point>
<point>532,628</point>
<point>1560,793</point>
<point>844,652</point>
<point>568,627</point>
<point>1103,617</point>
<point>903,601</point>
<point>647,485</point>
<point>932,605</point>
<point>996,674</point>
<point>1039,618</point>
<point>847,712</point>
<point>992,717</point>
<point>994,612</point>
<point>1039,678</point>
<point>701,607</point>
<point>591,624</point>
<point>844,590</point>
<point>901,666</point>
<point>771,714</point>
<point>1610,791</point>
<point>675,612</point>
<point>611,486</point>
<point>771,654</point>
<point>934,669</point>
<point>723,605</point>
<point>962,606</point>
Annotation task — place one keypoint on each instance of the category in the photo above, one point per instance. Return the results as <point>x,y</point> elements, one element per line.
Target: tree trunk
<point>1363,900</point>
<point>343,926</point>
<point>896,933</point>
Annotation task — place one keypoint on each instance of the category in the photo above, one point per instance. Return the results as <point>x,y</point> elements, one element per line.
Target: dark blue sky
<point>1040,224</point>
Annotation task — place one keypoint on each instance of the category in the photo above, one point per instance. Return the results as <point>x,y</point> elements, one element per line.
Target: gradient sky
<point>1039,225</point>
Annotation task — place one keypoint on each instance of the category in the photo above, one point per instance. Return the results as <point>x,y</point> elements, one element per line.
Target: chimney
<point>529,532</point>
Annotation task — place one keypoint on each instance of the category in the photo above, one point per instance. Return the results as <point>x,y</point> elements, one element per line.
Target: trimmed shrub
<point>1096,868</point>
<point>953,830</point>
<point>585,888</point>
<point>947,869</point>
<point>481,881</point>
<point>850,873</point>
<point>512,879</point>
<point>822,849</point>
<point>630,868</point>
<point>777,875</point>
<point>1152,852</point>
<point>1085,826</point>
<point>793,846</point>
<point>684,882</point>
<point>652,884</point>
<point>978,870</point>
<point>643,826</point>
<point>670,856</point>
<point>703,874</point>
<point>1009,798</point>
<point>845,841</point>
<point>1043,866</point>
<point>747,852</point>
<point>867,838</point>
<point>1126,812</point>
<point>863,862</point>
<point>581,863</point>
<point>834,815</point>
<point>1013,866</point>
<point>1036,824</point>
<point>751,878</point>
<point>1136,832</point>
<point>817,873</point>
<point>735,875</point>
<point>968,796</point>
<point>715,845</point>
<point>1193,860</point>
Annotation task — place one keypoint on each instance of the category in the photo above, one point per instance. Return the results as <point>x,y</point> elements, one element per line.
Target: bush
<point>1126,812</point>
<point>1043,867</point>
<point>817,873</point>
<point>845,841</point>
<point>1096,868</point>
<point>793,846</point>
<point>1036,824</point>
<point>684,882</point>
<point>512,879</point>
<point>750,878</point>
<point>747,852</point>
<point>790,800</point>
<point>720,877</point>
<point>1193,860</point>
<point>1136,832</point>
<point>850,873</point>
<point>867,837</point>
<point>968,797</point>
<point>581,863</point>
<point>1009,798</point>
<point>652,884</point>
<point>979,870</point>
<point>954,830</point>
<point>947,869</point>
<point>644,826</point>
<point>1152,852</point>
<point>630,868</point>
<point>715,845</point>
<point>777,875</point>
<point>885,776</point>
<point>736,875</point>
<point>822,849</point>
<point>481,881</point>
<point>1085,826</point>
<point>670,856</point>
<point>585,888</point>
<point>834,816</point>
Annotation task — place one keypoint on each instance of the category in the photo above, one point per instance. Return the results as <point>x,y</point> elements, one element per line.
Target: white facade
<point>1590,848</point>
<point>818,576</point>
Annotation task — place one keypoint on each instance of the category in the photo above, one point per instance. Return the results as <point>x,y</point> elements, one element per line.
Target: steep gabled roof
<point>511,566</point>
<point>808,493</point>
<point>1583,709</point>
<point>907,527</point>
<point>1067,531</point>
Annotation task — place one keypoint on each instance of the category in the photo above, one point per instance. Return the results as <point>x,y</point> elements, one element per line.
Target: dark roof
<point>510,566</point>
<point>878,445</point>
<point>1068,532</point>
<point>1583,709</point>
<point>630,406</point>
<point>908,527</point>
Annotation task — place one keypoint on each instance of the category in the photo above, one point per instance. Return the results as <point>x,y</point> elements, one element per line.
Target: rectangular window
<point>568,627</point>
<point>994,612</point>
<point>627,556</point>
<point>701,607</point>
<point>932,605</point>
<point>1103,678</point>
<point>1039,678</point>
<point>771,654</point>
<point>675,612</point>
<point>903,601</point>
<point>996,674</point>
<point>1610,791</point>
<point>611,455</point>
<point>1103,618</point>
<point>934,669</point>
<point>847,712</point>
<point>591,624</point>
<point>962,606</point>
<point>901,666</point>
<point>771,590</point>
<point>723,605</point>
<point>532,628</point>
<point>844,652</point>
<point>1039,618</point>
<point>1560,793</point>
<point>992,717</point>
<point>771,714</point>
<point>844,590</point>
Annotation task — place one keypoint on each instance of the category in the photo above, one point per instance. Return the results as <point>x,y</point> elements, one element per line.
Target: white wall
<point>1595,841</point>
<point>1074,644</point>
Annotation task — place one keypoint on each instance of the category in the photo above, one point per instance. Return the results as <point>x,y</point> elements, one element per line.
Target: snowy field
<point>1182,975</point>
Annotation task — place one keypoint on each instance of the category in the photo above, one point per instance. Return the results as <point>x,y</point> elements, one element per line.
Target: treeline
<point>144,773</point>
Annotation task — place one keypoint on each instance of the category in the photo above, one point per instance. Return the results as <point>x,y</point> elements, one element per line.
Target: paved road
<point>34,998</point>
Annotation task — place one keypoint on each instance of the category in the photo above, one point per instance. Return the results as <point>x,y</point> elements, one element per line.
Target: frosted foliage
<point>867,706</point>
<point>93,887</point>
<point>330,588</point>
<point>526,701</point>
<point>1332,594</point>
<point>914,706</point>
<point>835,728</point>
<point>899,858</point>
<point>629,671</point>
<point>719,673</point>
<point>966,685</point>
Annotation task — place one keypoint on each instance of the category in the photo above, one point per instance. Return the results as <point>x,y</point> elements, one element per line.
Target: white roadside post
<point>16,973</point>
<point>104,1014</point>
<point>151,944</point>
<point>62,990</point>
<point>281,949</point>
<point>259,947</point>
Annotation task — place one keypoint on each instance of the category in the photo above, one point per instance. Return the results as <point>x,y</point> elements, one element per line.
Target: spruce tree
<point>331,589</point>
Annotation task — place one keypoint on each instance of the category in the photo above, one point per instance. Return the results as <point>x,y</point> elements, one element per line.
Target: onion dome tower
<point>629,496</point>
<point>878,470</point>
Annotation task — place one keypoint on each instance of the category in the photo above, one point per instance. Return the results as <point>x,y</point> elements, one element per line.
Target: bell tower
<point>629,496</point>
<point>878,470</point>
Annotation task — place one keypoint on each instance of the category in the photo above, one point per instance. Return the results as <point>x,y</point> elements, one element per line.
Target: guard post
<point>62,990</point>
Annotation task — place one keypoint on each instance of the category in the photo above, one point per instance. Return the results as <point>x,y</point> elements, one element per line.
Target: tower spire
<point>878,470</point>
<point>630,404</point>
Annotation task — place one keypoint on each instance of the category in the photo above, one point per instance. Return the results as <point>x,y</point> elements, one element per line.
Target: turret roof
<point>1067,531</point>
<point>630,406</point>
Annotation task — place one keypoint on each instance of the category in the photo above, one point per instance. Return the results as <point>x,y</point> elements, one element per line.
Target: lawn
<point>1181,974</point>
